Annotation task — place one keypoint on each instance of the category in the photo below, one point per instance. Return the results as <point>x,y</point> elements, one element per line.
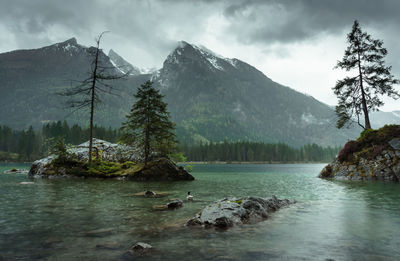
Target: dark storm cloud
<point>249,21</point>
<point>155,25</point>
<point>152,25</point>
<point>287,20</point>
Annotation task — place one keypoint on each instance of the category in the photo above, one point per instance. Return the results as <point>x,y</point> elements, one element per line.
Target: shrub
<point>189,168</point>
<point>349,148</point>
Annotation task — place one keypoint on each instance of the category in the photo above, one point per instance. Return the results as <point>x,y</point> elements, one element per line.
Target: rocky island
<point>111,161</point>
<point>375,155</point>
<point>228,212</point>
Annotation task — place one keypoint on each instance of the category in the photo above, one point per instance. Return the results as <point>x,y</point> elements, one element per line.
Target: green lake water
<point>50,219</point>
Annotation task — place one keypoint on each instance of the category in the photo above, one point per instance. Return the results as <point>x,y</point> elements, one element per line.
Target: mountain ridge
<point>210,97</point>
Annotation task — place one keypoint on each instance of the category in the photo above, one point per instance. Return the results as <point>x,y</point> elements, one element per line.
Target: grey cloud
<point>284,21</point>
<point>149,25</point>
<point>150,28</point>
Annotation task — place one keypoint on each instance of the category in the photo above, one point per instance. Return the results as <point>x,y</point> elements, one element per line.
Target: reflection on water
<point>98,220</point>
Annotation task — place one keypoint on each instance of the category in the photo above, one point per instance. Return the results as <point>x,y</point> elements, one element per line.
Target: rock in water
<point>111,245</point>
<point>175,204</point>
<point>149,193</point>
<point>16,171</point>
<point>228,212</point>
<point>139,249</point>
<point>100,232</point>
<point>161,169</point>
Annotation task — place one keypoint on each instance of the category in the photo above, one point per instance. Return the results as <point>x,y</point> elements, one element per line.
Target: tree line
<point>258,152</point>
<point>30,144</point>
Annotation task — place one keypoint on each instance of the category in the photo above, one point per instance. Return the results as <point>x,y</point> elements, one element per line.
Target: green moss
<point>128,164</point>
<point>239,201</point>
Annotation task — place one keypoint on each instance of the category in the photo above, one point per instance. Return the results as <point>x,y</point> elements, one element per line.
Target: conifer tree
<point>360,93</point>
<point>148,124</point>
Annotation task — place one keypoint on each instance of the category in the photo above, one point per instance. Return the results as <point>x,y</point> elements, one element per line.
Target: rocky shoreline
<point>374,156</point>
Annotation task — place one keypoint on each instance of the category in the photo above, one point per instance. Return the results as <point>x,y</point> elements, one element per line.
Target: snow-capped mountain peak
<point>185,51</point>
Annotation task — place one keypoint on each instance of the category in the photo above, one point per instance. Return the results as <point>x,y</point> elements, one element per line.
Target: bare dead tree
<point>88,91</point>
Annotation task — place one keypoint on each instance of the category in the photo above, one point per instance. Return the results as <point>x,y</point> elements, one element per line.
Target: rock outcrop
<point>106,150</point>
<point>374,156</point>
<point>161,169</point>
<point>111,161</point>
<point>228,212</point>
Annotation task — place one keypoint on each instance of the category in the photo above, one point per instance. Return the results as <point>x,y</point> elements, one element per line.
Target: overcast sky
<point>293,42</point>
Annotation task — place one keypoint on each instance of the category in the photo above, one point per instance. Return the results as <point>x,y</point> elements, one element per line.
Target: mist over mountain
<point>211,98</point>
<point>219,98</point>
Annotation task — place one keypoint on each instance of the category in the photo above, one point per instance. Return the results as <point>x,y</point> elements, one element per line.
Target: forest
<point>245,151</point>
<point>29,145</point>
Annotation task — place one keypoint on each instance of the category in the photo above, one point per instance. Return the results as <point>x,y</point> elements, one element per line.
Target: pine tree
<point>148,124</point>
<point>359,94</point>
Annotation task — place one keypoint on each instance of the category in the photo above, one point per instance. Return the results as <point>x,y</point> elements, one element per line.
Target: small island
<point>375,155</point>
<point>112,161</point>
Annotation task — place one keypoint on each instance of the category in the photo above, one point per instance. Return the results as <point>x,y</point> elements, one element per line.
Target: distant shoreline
<point>249,162</point>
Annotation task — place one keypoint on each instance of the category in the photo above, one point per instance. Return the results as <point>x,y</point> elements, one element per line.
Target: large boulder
<point>106,150</point>
<point>374,156</point>
<point>228,212</point>
<point>161,169</point>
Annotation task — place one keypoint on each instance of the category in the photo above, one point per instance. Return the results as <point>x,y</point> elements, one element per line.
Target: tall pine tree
<point>358,94</point>
<point>148,124</point>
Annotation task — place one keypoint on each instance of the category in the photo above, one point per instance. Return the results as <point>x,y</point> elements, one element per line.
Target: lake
<point>339,220</point>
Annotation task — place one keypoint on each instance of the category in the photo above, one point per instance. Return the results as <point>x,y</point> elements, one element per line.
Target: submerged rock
<point>26,183</point>
<point>138,249</point>
<point>149,193</point>
<point>110,245</point>
<point>16,171</point>
<point>228,212</point>
<point>100,232</point>
<point>175,204</point>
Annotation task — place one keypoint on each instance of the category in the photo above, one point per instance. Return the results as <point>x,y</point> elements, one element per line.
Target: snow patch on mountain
<point>117,67</point>
<point>210,56</point>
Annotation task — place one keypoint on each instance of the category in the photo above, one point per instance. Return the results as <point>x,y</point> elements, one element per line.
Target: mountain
<point>217,98</point>
<point>211,98</point>
<point>380,118</point>
<point>31,79</point>
<point>122,65</point>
